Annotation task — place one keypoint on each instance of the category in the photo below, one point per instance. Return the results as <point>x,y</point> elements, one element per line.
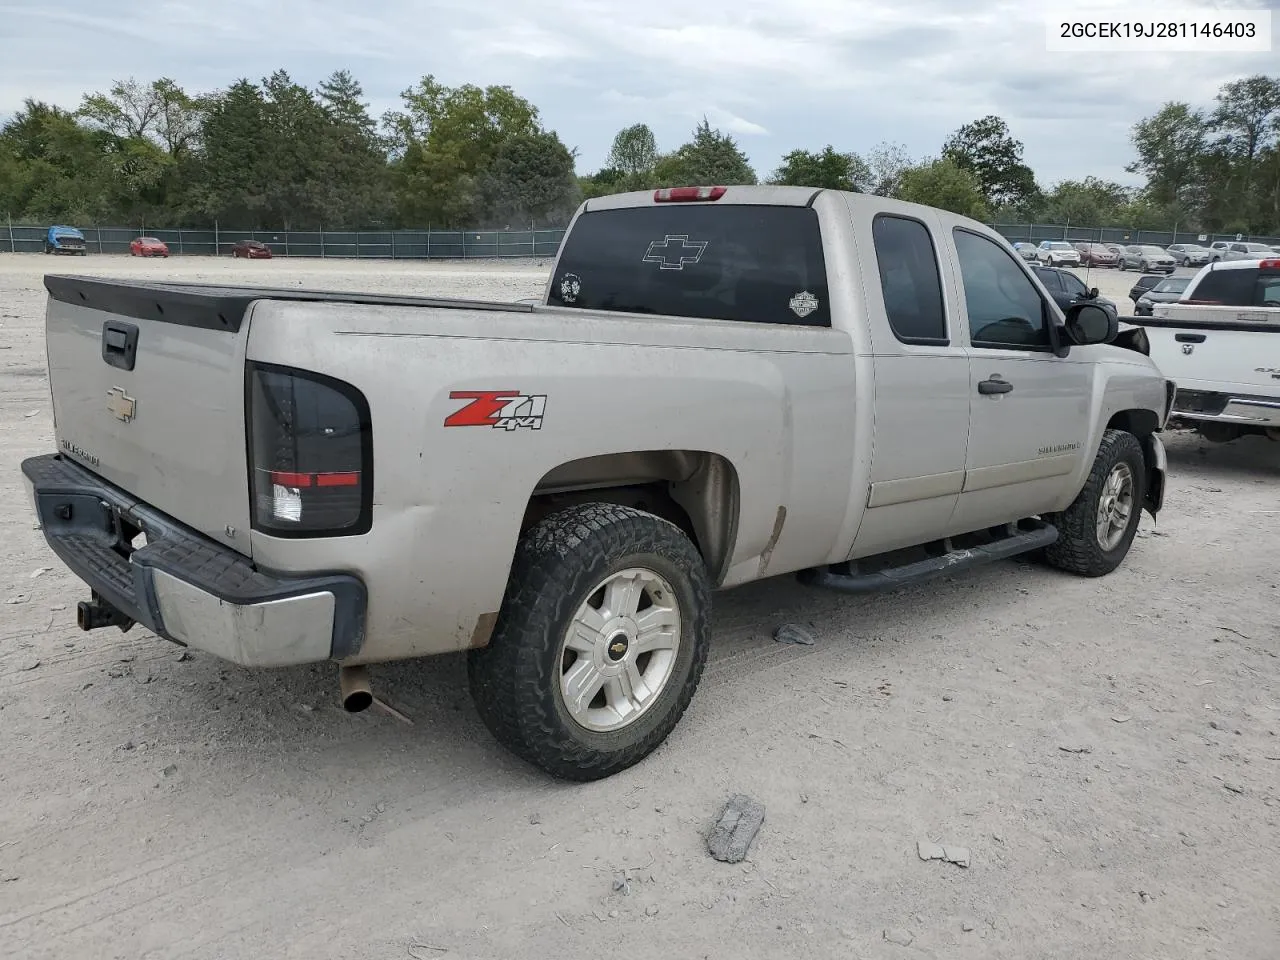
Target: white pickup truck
<point>1221,344</point>
<point>721,385</point>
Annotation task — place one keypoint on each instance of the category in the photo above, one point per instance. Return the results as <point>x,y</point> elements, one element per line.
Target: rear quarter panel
<point>448,501</point>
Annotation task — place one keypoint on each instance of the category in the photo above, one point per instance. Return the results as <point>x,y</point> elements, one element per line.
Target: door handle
<point>1189,337</point>
<point>995,385</point>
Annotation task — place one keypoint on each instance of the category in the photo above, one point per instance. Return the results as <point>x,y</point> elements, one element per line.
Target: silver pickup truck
<point>722,385</point>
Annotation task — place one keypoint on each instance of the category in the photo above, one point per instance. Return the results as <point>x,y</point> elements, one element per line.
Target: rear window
<point>1239,288</point>
<point>760,264</point>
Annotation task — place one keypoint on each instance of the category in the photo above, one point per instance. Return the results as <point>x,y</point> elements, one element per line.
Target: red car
<point>251,249</point>
<point>1096,255</point>
<point>148,247</point>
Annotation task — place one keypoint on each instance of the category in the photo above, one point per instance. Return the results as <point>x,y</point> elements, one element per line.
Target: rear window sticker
<point>803,304</point>
<point>570,287</point>
<point>673,252</point>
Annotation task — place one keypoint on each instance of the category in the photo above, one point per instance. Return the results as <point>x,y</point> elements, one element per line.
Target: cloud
<point>778,76</point>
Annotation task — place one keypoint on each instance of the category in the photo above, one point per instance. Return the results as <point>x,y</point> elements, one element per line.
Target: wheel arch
<point>696,490</point>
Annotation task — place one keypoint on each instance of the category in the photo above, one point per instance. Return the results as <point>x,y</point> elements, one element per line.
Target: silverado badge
<point>120,405</point>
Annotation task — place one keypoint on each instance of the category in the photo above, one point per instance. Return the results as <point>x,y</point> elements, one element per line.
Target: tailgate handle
<point>120,344</point>
<point>1189,337</point>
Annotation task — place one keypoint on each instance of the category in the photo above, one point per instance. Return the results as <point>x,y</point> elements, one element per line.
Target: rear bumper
<point>183,586</point>
<point>1226,407</point>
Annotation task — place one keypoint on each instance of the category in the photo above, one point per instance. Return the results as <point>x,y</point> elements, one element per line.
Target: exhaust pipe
<point>357,694</point>
<point>98,613</point>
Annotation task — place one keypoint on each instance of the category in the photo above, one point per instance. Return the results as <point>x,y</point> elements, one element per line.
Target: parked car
<point>1142,285</point>
<point>1168,290</point>
<point>1055,252</point>
<point>1247,251</point>
<point>251,250</point>
<point>1218,250</point>
<point>1189,254</point>
<point>1067,290</point>
<point>148,247</point>
<point>61,239</point>
<point>1220,342</point>
<point>564,527</point>
<point>1148,258</point>
<point>1026,250</point>
<point>1096,255</point>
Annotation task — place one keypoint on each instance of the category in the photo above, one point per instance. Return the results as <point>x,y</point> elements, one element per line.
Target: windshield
<point>1150,249</point>
<point>1257,248</point>
<point>148,240</point>
<point>1059,246</point>
<point>1171,285</point>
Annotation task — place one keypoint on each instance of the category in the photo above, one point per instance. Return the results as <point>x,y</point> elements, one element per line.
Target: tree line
<point>276,154</point>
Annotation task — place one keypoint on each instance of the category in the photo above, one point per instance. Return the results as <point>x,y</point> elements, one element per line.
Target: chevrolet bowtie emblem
<point>618,649</point>
<point>120,405</point>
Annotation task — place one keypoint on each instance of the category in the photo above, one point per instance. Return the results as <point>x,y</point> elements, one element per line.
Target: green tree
<point>634,154</point>
<point>444,140</point>
<point>827,168</point>
<point>355,184</point>
<point>530,180</point>
<point>710,158</point>
<point>1089,202</point>
<point>234,136</point>
<point>1170,146</point>
<point>944,184</point>
<point>887,163</point>
<point>986,149</point>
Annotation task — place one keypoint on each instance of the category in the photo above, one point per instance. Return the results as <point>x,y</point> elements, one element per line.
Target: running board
<point>946,558</point>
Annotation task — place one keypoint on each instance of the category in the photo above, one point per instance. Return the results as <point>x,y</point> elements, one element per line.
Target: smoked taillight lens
<point>310,454</point>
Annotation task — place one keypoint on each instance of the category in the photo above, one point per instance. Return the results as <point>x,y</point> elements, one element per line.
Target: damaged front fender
<point>1157,471</point>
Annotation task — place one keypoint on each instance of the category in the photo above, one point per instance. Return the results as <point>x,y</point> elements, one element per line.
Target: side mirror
<point>1088,323</point>
<point>1093,293</point>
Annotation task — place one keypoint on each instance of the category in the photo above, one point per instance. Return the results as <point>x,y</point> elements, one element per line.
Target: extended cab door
<point>1029,410</point>
<point>921,375</point>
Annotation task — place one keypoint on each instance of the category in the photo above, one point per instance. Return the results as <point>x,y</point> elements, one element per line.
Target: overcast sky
<point>778,74</point>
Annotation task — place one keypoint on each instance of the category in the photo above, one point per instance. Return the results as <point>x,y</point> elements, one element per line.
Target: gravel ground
<point>1107,751</point>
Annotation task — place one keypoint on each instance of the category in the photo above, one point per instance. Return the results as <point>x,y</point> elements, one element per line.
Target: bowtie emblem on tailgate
<point>120,405</point>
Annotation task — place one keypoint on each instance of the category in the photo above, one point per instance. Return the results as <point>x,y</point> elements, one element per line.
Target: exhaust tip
<point>355,702</point>
<point>357,694</point>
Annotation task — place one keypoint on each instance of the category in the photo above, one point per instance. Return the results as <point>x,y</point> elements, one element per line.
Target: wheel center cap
<point>619,646</point>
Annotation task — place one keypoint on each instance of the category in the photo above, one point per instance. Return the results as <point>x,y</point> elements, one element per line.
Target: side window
<point>1073,284</point>
<point>1005,309</point>
<point>909,280</point>
<point>1050,279</point>
<point>1239,248</point>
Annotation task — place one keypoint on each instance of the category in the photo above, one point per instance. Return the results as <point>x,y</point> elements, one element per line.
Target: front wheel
<point>1096,531</point>
<point>600,642</point>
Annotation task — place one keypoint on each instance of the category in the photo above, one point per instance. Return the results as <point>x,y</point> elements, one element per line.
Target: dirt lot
<point>1108,751</point>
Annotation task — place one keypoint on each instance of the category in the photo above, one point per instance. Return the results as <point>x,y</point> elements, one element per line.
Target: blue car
<point>65,240</point>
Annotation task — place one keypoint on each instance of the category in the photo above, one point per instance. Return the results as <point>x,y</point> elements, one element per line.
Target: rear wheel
<point>1097,530</point>
<point>600,643</point>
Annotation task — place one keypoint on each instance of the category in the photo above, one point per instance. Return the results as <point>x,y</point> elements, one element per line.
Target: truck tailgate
<point>1212,357</point>
<point>148,385</point>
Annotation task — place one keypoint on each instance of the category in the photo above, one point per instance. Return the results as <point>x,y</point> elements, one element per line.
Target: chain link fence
<point>385,244</point>
<point>488,244</point>
<point>1038,232</point>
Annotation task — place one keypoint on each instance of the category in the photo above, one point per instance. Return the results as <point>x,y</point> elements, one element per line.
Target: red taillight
<point>1269,265</point>
<point>284,479</point>
<point>687,194</point>
<point>311,454</point>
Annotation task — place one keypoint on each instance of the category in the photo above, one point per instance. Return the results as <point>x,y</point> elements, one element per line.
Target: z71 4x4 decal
<point>500,409</point>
